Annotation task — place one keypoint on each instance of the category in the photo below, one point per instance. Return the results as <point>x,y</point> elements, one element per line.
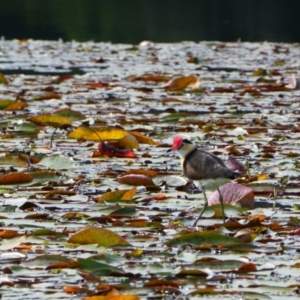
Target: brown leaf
<point>111,151</point>
<point>234,193</point>
<point>181,83</point>
<point>136,180</point>
<point>15,178</point>
<point>8,234</point>
<point>247,267</point>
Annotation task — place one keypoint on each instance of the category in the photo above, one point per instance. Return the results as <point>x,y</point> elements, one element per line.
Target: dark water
<point>131,21</point>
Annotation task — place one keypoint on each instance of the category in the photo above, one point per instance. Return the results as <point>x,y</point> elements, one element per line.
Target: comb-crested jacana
<point>207,170</point>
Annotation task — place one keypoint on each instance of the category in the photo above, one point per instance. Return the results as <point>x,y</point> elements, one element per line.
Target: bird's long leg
<point>222,204</point>
<point>204,207</point>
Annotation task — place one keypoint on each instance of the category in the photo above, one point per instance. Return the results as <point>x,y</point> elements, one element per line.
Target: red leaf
<point>136,180</point>
<point>234,193</point>
<point>114,152</point>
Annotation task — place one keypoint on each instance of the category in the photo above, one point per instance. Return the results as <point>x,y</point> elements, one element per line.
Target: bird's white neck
<point>185,150</point>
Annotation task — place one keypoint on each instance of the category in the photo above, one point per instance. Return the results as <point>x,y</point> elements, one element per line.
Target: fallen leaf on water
<point>127,142</point>
<point>104,133</point>
<point>101,236</point>
<point>3,79</point>
<point>17,105</point>
<point>111,151</point>
<point>170,180</point>
<point>136,180</point>
<point>122,195</point>
<point>15,178</point>
<point>200,238</point>
<point>12,243</point>
<point>181,83</point>
<point>72,115</point>
<point>5,103</point>
<point>49,120</point>
<point>143,139</point>
<point>234,193</point>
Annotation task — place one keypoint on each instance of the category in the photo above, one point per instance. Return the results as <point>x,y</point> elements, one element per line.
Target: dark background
<point>132,21</point>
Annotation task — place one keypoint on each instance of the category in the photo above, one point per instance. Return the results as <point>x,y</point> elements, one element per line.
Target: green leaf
<point>200,238</point>
<point>97,268</point>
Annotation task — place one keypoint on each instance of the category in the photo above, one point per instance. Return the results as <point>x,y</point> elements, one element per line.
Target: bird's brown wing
<point>200,165</point>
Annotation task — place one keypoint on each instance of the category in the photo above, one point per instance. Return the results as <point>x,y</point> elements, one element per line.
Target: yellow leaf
<point>143,139</point>
<point>127,142</point>
<point>103,132</point>
<point>125,195</point>
<point>50,120</point>
<point>128,196</point>
<point>261,177</point>
<point>5,103</point>
<point>101,236</point>
<point>17,105</point>
<point>3,79</point>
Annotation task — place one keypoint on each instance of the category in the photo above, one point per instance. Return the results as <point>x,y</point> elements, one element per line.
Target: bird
<point>207,170</point>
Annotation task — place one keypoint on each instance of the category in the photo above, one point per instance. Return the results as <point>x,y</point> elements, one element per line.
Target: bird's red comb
<point>177,142</point>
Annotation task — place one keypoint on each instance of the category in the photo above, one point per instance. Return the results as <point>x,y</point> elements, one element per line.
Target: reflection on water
<point>132,21</point>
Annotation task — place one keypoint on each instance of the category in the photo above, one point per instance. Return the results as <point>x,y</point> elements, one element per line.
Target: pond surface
<point>58,192</point>
<point>133,21</point>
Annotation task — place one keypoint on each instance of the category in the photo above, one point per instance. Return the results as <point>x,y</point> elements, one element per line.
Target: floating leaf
<point>200,238</point>
<point>127,142</point>
<point>170,180</point>
<point>111,151</point>
<point>122,195</point>
<point>124,211</point>
<point>17,105</point>
<point>12,243</point>
<point>234,193</point>
<point>101,236</point>
<point>104,133</point>
<point>49,120</point>
<point>3,79</point>
<point>181,83</point>
<point>136,180</point>
<point>5,103</point>
<point>143,139</point>
<point>154,78</point>
<point>15,178</point>
<point>72,115</point>
<point>57,162</point>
